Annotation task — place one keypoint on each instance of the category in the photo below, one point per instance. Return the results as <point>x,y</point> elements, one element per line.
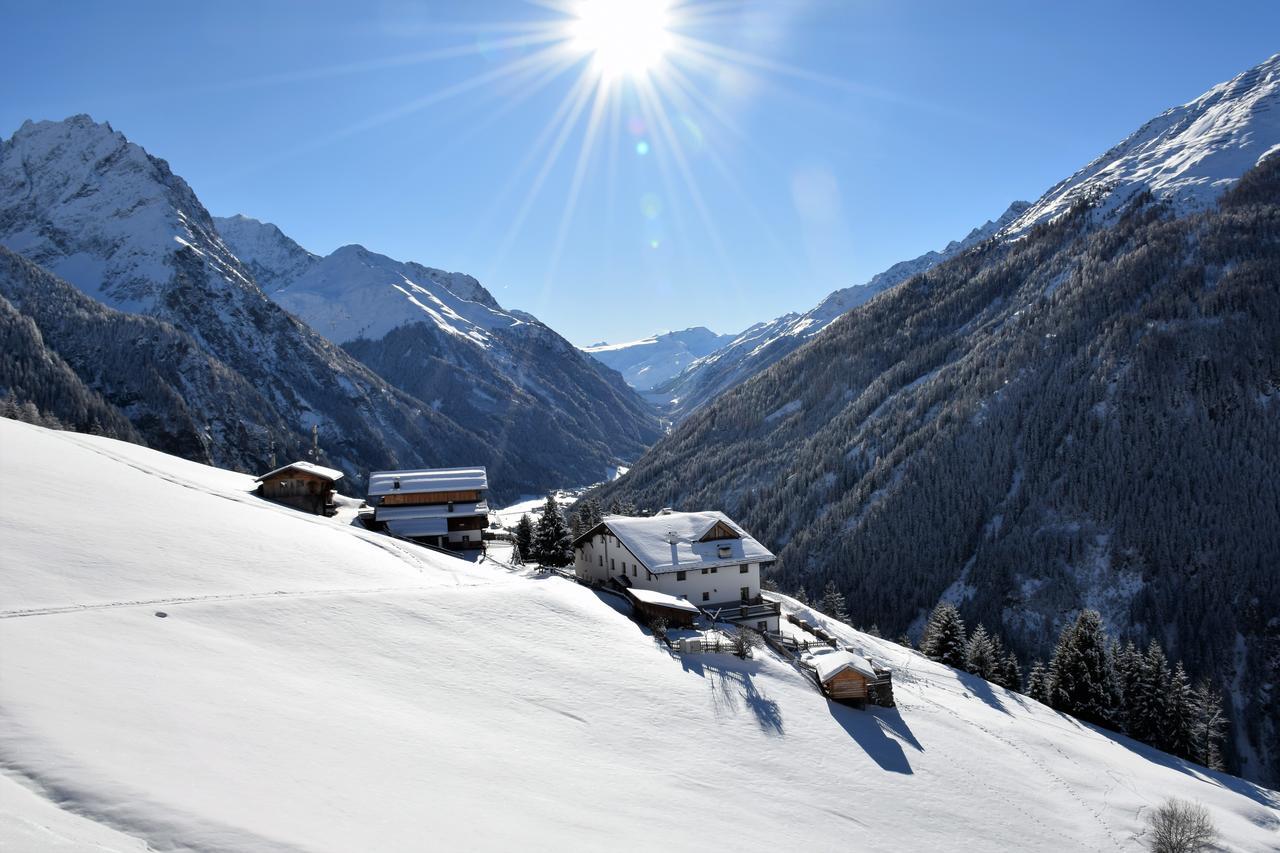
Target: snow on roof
<point>428,480</point>
<point>652,596</point>
<point>318,470</point>
<point>832,663</point>
<point>669,542</point>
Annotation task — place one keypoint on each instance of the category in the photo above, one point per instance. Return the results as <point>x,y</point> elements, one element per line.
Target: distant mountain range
<point>88,207</point>
<point>1082,411</point>
<point>651,362</point>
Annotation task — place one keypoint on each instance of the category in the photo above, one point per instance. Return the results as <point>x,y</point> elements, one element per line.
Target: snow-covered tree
<point>1148,706</point>
<point>1081,681</point>
<point>1207,725</point>
<point>524,537</point>
<point>1126,663</point>
<point>833,603</point>
<point>802,596</point>
<point>944,636</point>
<point>980,656</point>
<point>1175,734</point>
<point>1038,683</point>
<point>1009,673</point>
<point>551,542</point>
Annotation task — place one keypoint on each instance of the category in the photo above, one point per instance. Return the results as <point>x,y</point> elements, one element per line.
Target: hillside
<point>441,337</point>
<point>1081,418</point>
<point>316,687</point>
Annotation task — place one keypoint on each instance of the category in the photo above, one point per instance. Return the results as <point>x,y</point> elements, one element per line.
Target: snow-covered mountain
<point>94,209</point>
<point>89,206</point>
<point>443,338</point>
<point>198,669</point>
<point>651,361</point>
<point>764,344</point>
<point>1186,156</point>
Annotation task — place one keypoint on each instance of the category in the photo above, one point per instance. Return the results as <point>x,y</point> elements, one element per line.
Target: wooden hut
<point>302,485</point>
<point>652,604</point>
<point>846,677</point>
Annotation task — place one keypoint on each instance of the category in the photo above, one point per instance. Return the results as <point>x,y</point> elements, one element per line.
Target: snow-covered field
<point>317,687</point>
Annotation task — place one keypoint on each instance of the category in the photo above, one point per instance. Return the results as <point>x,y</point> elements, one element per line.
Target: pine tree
<point>1175,734</point>
<point>801,597</point>
<point>1127,662</point>
<point>1150,702</point>
<point>1009,673</point>
<point>833,603</point>
<point>551,542</point>
<point>1207,725</point>
<point>980,654</point>
<point>944,636</point>
<point>524,537</point>
<point>1082,683</point>
<point>615,508</point>
<point>1038,683</point>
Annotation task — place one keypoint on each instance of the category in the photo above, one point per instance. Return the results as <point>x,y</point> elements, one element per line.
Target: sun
<point>624,38</point>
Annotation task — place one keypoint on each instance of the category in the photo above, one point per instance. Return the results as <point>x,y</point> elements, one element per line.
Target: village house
<point>699,558</point>
<point>303,485</point>
<point>444,507</point>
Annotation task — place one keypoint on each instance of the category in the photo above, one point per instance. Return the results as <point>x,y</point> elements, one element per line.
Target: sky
<point>627,172</point>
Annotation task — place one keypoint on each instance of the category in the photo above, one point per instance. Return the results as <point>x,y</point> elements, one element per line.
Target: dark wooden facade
<point>304,490</point>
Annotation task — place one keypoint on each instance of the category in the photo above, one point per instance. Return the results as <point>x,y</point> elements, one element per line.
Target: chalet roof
<point>662,599</point>
<point>307,467</point>
<point>428,480</point>
<point>671,542</point>
<point>832,663</point>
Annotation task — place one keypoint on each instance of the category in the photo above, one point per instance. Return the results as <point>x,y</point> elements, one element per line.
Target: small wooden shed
<point>303,485</point>
<point>652,604</point>
<point>846,677</point>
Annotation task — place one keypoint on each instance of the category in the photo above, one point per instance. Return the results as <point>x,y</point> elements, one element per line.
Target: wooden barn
<point>846,677</point>
<point>301,485</point>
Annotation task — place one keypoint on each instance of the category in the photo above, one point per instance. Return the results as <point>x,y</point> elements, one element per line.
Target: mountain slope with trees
<point>1083,418</point>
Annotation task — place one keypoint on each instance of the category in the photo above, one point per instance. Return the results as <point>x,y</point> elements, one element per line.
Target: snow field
<point>319,690</point>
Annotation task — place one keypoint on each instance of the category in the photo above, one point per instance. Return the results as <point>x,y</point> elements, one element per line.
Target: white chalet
<point>439,506</point>
<point>703,558</point>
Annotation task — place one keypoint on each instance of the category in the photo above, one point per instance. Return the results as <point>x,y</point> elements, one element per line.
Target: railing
<point>737,610</point>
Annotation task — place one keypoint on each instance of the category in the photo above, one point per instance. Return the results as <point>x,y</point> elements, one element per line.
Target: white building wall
<point>604,557</point>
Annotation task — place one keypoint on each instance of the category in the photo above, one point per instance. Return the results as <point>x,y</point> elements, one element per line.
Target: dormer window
<point>724,551</point>
<point>395,484</point>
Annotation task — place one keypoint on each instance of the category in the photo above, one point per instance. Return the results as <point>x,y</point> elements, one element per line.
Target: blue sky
<point>815,144</point>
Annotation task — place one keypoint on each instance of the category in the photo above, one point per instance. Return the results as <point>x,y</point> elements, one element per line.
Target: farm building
<point>302,485</point>
<point>703,558</point>
<point>444,507</point>
<point>652,604</point>
<point>846,677</point>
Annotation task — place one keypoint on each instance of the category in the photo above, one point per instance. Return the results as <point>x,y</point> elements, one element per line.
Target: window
<point>744,568</point>
<point>713,570</point>
<point>704,571</point>
<point>633,570</point>
<point>613,565</point>
<point>680,576</point>
<point>706,596</point>
<point>602,559</point>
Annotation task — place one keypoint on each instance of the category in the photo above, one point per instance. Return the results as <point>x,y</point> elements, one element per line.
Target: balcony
<point>742,611</point>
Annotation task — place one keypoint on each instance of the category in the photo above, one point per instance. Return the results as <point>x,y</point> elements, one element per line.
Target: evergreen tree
<point>1009,673</point>
<point>1038,683</point>
<point>615,508</point>
<point>524,537</point>
<point>1175,734</point>
<point>980,654</point>
<point>833,603</point>
<point>1127,663</point>
<point>1207,725</point>
<point>1149,705</point>
<point>944,636</point>
<point>801,596</point>
<point>1081,681</point>
<point>551,542</point>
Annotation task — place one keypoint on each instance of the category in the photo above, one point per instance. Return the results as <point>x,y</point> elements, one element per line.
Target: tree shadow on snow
<point>871,729</point>
<point>733,684</point>
<point>981,688</point>
<point>1260,795</point>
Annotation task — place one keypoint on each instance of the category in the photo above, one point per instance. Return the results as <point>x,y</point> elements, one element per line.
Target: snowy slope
<point>315,687</point>
<point>1187,155</point>
<point>654,360</point>
<point>762,345</point>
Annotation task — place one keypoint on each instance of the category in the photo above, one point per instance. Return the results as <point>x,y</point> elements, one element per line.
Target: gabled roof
<point>672,542</point>
<point>319,470</point>
<point>428,480</point>
<point>662,599</point>
<point>831,664</point>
